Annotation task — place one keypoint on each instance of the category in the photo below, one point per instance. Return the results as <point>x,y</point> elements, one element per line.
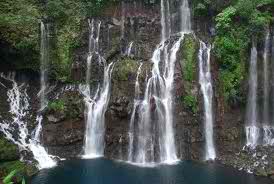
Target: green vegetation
<point>191,103</point>
<point>67,16</point>
<point>8,151</point>
<point>189,48</point>
<point>15,171</point>
<point>189,64</point>
<point>236,22</point>
<point>19,29</point>
<point>10,177</point>
<point>236,25</point>
<point>57,105</point>
<point>125,68</point>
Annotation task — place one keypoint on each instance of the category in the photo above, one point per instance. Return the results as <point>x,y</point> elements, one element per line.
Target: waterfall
<point>267,129</point>
<point>154,130</point>
<point>156,108</point>
<point>206,88</point>
<point>266,79</point>
<point>137,101</point>
<point>185,17</point>
<point>252,130</point>
<point>44,53</point>
<point>96,106</point>
<point>165,19</point>
<point>19,109</point>
<point>129,50</point>
<point>268,132</point>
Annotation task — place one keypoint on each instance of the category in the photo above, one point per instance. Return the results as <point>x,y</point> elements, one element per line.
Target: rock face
<point>64,135</point>
<point>64,121</point>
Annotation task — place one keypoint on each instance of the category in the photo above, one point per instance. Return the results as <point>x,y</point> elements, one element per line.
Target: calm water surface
<point>102,171</point>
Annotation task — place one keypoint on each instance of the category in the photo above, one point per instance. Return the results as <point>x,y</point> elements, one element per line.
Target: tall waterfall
<point>266,79</point>
<point>185,17</point>
<point>155,111</point>
<point>19,109</point>
<point>44,53</point>
<point>96,106</point>
<point>165,20</point>
<point>206,88</point>
<point>136,104</point>
<point>268,130</point>
<point>252,129</point>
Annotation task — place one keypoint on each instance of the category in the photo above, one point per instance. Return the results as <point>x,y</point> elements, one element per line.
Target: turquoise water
<point>102,171</point>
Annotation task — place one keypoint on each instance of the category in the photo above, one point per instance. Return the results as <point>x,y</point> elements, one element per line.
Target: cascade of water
<point>165,20</point>
<point>133,114</point>
<point>155,114</point>
<point>266,79</point>
<point>93,46</point>
<point>267,129</point>
<point>206,88</point>
<point>156,108</point>
<point>96,106</point>
<point>268,133</point>
<point>44,52</point>
<point>252,130</point>
<point>19,109</point>
<point>185,17</point>
<point>129,50</point>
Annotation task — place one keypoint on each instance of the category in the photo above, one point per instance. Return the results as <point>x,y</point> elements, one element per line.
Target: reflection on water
<point>102,171</point>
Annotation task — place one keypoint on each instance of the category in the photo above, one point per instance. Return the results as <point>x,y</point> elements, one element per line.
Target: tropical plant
<point>10,177</point>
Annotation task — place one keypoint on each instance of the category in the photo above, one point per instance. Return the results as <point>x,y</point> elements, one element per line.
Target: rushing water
<point>252,130</point>
<point>165,20</point>
<point>185,17</point>
<point>268,138</point>
<point>154,129</point>
<point>19,109</point>
<point>129,50</point>
<point>136,104</point>
<point>96,106</point>
<point>103,171</point>
<point>268,132</point>
<point>44,52</point>
<point>266,79</point>
<point>207,90</point>
<point>157,107</point>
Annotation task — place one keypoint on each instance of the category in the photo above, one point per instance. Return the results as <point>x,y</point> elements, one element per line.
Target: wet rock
<point>55,118</point>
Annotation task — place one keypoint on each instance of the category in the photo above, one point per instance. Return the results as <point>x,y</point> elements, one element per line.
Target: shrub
<point>57,105</point>
<point>191,103</point>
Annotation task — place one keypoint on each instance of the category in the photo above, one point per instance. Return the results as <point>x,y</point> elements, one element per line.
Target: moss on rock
<point>8,150</point>
<point>125,68</point>
<point>189,61</point>
<point>189,64</point>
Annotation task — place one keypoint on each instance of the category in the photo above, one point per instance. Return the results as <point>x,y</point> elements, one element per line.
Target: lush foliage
<point>236,25</point>
<point>19,28</point>
<point>125,68</point>
<point>67,16</point>
<point>8,151</point>
<point>204,8</point>
<point>10,177</point>
<point>191,103</point>
<point>15,171</point>
<point>189,58</point>
<point>57,105</point>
